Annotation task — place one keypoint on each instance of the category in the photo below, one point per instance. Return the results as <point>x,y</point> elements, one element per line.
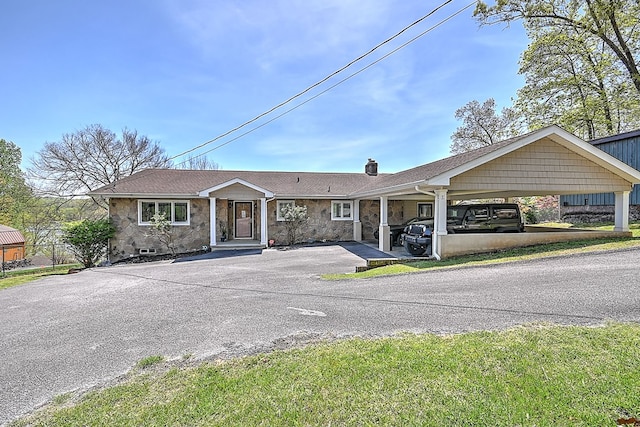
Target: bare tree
<point>198,163</point>
<point>91,158</point>
<point>482,126</point>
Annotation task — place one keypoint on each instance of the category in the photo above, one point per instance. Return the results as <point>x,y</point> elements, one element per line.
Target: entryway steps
<point>238,244</point>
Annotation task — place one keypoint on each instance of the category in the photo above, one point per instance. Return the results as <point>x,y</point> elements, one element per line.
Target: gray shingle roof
<point>178,182</point>
<point>190,182</point>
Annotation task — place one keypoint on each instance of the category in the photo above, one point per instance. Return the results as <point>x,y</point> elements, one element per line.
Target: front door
<point>244,220</point>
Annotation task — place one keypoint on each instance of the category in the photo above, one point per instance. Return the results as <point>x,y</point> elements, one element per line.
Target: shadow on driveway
<point>359,249</point>
<point>221,254</point>
<point>364,251</point>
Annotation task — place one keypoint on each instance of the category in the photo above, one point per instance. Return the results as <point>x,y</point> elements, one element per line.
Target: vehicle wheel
<point>399,240</point>
<point>413,249</point>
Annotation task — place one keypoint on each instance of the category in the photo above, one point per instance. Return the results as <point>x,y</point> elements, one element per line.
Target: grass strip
<point>510,255</point>
<point>536,375</point>
<point>14,278</point>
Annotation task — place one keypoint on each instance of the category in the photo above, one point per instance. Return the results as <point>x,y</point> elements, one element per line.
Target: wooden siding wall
<point>541,166</point>
<point>238,192</point>
<point>625,150</point>
<point>12,252</point>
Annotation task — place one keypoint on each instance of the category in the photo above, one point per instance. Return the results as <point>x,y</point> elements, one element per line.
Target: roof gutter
<point>434,235</point>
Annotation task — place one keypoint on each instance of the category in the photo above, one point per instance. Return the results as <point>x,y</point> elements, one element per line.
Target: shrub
<point>88,239</point>
<point>162,230</point>
<point>294,218</point>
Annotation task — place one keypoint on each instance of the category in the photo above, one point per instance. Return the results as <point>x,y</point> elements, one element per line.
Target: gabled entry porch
<point>238,214</point>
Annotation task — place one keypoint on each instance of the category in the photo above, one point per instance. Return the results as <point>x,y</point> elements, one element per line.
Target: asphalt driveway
<point>68,333</point>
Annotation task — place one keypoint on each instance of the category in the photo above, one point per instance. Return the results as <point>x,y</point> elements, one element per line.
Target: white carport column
<point>384,231</point>
<point>357,225</point>
<point>263,221</point>
<point>439,220</point>
<point>213,220</point>
<point>622,211</point>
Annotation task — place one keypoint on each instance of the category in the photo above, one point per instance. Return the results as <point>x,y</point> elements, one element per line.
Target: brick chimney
<point>371,168</point>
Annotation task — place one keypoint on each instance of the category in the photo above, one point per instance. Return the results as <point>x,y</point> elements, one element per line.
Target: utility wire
<point>299,94</point>
<point>327,89</point>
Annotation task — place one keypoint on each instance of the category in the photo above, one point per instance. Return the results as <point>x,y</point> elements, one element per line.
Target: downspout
<point>109,239</point>
<point>434,235</point>
<point>266,203</point>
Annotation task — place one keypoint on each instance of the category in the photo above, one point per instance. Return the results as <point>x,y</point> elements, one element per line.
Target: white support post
<point>440,216</point>
<point>263,221</point>
<point>384,231</point>
<point>213,220</point>
<point>439,220</point>
<point>622,211</point>
<point>357,225</point>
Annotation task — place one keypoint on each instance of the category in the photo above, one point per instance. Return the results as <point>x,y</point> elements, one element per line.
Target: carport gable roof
<point>438,174</point>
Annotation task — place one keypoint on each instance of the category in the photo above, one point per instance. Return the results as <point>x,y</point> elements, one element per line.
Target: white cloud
<point>279,30</point>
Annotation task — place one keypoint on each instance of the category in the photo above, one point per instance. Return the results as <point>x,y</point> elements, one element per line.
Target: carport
<point>544,162</point>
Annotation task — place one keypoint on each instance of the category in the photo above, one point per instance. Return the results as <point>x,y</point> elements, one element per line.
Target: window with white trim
<point>282,204</point>
<point>341,210</point>
<point>177,211</point>
<point>425,210</point>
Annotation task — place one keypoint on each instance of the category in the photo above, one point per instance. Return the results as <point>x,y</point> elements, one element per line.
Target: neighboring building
<point>12,244</point>
<point>202,205</point>
<point>599,207</point>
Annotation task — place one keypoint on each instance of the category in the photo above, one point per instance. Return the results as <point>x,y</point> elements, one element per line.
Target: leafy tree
<point>538,209</point>
<point>482,126</point>
<point>613,23</point>
<point>14,192</point>
<point>573,80</point>
<point>88,239</point>
<point>162,230</point>
<point>91,158</point>
<point>41,222</point>
<point>294,218</point>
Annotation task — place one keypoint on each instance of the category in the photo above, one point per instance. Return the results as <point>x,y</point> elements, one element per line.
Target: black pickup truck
<point>416,239</point>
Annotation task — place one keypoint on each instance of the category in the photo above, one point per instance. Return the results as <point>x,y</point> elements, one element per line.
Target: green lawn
<point>518,254</point>
<point>18,277</point>
<point>538,375</point>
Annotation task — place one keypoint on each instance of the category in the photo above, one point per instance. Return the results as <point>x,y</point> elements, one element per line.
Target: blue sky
<point>185,71</point>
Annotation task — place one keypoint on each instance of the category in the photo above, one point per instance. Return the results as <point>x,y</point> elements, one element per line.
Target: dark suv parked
<point>476,218</point>
<point>480,218</point>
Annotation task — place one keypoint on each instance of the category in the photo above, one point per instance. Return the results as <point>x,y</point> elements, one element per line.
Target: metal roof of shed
<point>10,236</point>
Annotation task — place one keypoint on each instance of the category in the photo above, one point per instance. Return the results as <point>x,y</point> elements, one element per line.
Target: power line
<point>325,90</point>
<point>299,94</point>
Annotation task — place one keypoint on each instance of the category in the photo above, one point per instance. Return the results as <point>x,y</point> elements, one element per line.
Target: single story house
<point>600,206</point>
<point>246,205</point>
<point>12,244</point>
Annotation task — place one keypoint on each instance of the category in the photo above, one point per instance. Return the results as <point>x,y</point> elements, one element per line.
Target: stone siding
<point>595,214</point>
<point>320,227</point>
<point>370,215</point>
<point>131,237</point>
